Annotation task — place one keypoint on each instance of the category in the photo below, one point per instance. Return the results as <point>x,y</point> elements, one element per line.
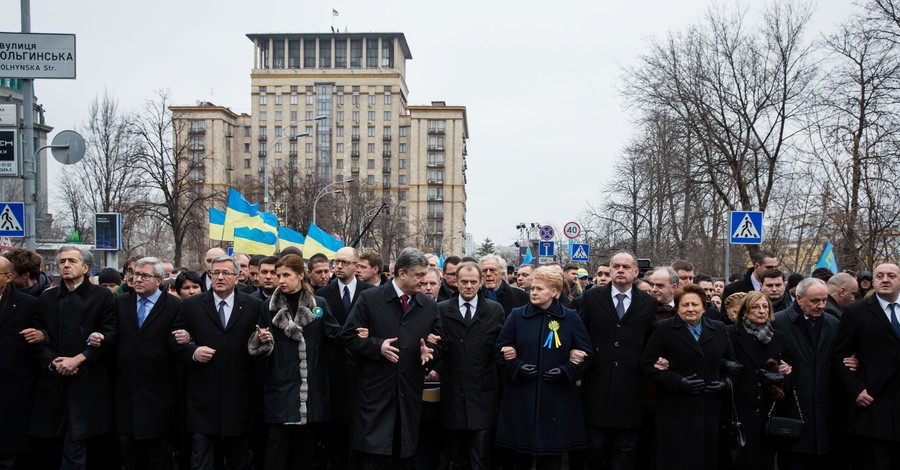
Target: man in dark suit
<point>146,379</point>
<point>495,287</point>
<point>16,367</point>
<point>391,360</point>
<point>469,381</point>
<point>341,297</point>
<point>753,280</point>
<point>449,287</point>
<point>870,328</point>
<point>619,319</point>
<point>843,290</point>
<point>218,368</point>
<point>268,281</point>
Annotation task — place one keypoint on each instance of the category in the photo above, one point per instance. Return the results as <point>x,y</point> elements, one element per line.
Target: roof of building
<point>338,35</point>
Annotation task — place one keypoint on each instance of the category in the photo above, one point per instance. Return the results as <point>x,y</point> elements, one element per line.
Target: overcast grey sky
<point>540,80</point>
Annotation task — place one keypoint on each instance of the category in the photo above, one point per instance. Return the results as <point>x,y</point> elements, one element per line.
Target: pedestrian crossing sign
<point>12,219</point>
<point>746,227</point>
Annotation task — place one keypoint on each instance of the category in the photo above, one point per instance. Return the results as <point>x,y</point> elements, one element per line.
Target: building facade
<point>332,107</point>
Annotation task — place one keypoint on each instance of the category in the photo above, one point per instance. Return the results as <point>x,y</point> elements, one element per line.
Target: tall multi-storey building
<point>333,107</point>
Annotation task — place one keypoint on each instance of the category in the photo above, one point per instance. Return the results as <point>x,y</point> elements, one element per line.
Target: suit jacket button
<point>618,325</point>
<point>617,344</point>
<point>615,364</point>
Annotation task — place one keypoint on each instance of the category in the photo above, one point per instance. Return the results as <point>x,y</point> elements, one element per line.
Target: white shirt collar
<point>473,303</point>
<point>615,290</point>
<point>351,285</point>
<point>229,301</point>
<point>399,291</point>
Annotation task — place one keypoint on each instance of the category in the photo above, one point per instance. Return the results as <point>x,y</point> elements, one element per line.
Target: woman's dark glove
<point>528,371</point>
<point>770,378</point>
<point>714,388</point>
<point>732,369</point>
<point>553,375</point>
<point>691,384</point>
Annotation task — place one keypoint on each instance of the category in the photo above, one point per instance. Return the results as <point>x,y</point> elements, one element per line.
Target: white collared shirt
<point>473,304</point>
<point>626,302</point>
<point>229,304</point>
<point>886,306</point>
<point>756,284</point>
<point>351,287</point>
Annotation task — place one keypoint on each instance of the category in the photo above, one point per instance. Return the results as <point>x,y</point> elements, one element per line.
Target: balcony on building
<point>435,164</point>
<point>263,137</point>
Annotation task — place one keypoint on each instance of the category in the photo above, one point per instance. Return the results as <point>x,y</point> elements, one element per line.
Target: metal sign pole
<point>28,147</point>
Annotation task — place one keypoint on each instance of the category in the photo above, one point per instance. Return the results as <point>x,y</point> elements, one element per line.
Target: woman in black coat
<point>293,329</point>
<point>690,391</point>
<point>760,348</point>
<point>540,411</point>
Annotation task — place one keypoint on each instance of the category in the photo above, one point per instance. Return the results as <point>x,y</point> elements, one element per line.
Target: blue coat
<point>537,417</point>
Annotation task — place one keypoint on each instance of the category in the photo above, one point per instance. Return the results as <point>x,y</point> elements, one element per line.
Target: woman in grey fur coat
<point>293,329</point>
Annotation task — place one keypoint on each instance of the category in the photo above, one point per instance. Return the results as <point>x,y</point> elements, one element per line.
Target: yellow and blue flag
<point>334,12</point>
<point>320,241</point>
<point>253,241</point>
<point>216,223</point>
<point>270,221</point>
<point>240,213</point>
<point>288,237</point>
<point>828,260</point>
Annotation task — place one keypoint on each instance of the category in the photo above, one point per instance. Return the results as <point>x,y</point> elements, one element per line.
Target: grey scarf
<point>763,333</point>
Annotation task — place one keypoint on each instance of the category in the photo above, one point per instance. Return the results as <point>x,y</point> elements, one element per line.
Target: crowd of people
<point>284,362</point>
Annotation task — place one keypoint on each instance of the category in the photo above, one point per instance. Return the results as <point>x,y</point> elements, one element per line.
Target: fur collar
<point>292,324</point>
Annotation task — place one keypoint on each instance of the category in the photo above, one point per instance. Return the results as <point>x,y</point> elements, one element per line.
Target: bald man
<point>211,254</point>
<point>843,290</point>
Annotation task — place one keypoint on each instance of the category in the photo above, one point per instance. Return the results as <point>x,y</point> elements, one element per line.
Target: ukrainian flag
<point>253,241</point>
<point>334,12</point>
<point>241,213</point>
<point>216,223</point>
<point>288,237</point>
<point>828,260</point>
<point>319,241</point>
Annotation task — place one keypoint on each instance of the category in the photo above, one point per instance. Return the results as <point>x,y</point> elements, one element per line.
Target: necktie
<point>222,314</point>
<point>813,333</point>
<point>620,305</point>
<point>346,299</point>
<point>404,301</point>
<point>468,311</point>
<point>894,322</point>
<point>142,311</point>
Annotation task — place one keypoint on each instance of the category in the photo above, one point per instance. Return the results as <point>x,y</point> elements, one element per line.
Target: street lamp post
<point>324,192</point>
<point>279,138</point>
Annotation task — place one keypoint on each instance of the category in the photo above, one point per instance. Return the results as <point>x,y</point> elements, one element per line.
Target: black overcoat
<point>687,424</point>
<point>812,377</point>
<point>341,367</point>
<point>611,389</point>
<point>219,392</point>
<point>286,391</point>
<point>146,379</point>
<point>865,330</point>
<point>537,417</point>
<point>510,298</point>
<point>386,388</point>
<point>18,375</point>
<point>469,380</point>
<point>752,399</point>
<point>85,399</point>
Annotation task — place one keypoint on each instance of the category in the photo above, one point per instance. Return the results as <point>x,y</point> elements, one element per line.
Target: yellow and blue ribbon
<point>553,336</point>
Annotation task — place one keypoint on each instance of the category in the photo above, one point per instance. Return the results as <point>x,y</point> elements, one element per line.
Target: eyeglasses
<point>144,276</point>
<point>341,262</point>
<point>218,273</point>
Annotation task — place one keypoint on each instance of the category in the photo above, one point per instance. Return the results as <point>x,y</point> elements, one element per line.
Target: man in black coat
<point>449,286</point>
<point>16,367</point>
<point>753,280</point>
<point>810,338</point>
<point>774,287</point>
<point>870,328</point>
<point>495,287</point>
<point>146,379</point>
<point>843,290</point>
<point>341,297</point>
<point>469,381</point>
<point>219,370</point>
<point>619,319</point>
<point>73,400</point>
<point>390,363</point>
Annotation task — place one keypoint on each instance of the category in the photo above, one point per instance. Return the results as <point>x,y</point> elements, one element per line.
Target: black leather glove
<point>732,369</point>
<point>528,371</point>
<point>714,388</point>
<point>553,375</point>
<point>770,378</point>
<point>691,384</point>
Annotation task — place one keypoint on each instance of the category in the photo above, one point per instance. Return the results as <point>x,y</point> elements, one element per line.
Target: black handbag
<point>734,442</point>
<point>781,427</point>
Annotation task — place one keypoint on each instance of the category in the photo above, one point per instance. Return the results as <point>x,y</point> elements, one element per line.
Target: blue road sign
<point>546,248</point>
<point>580,252</point>
<point>12,219</point>
<point>547,232</point>
<point>746,227</point>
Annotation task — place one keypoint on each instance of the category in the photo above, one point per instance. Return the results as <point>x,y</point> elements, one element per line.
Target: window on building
<point>293,115</point>
<point>247,163</point>
<point>293,147</point>
<point>294,55</point>
<point>387,88</point>
<point>278,147</point>
<point>309,147</point>
<point>386,180</point>
<point>324,53</point>
<point>339,164</point>
<point>309,88</point>
<point>435,159</point>
<point>371,148</point>
<point>277,163</point>
<point>355,88</point>
<point>263,130</point>
<point>387,99</point>
<point>387,115</point>
<point>309,163</point>
<point>436,125</point>
<point>246,131</point>
<point>404,131</point>
<point>277,115</point>
<point>310,100</point>
<point>435,143</point>
<point>263,116</point>
<point>371,101</point>
<point>370,179</point>
<point>403,147</point>
<point>435,208</point>
<point>309,53</point>
<point>355,100</point>
<point>401,179</point>
<point>371,132</point>
<point>401,211</point>
<point>295,100</point>
<point>263,99</point>
<point>370,164</point>
<point>339,88</point>
<point>294,87</point>
<point>354,131</point>
<point>340,100</point>
<point>355,116</point>
<point>340,54</point>
<point>371,116</point>
<point>339,148</point>
<point>246,148</point>
<point>340,131</point>
<point>262,89</point>
<point>309,115</point>
<point>340,116</point>
<point>355,53</point>
<point>372,53</point>
<point>387,52</point>
<point>277,100</point>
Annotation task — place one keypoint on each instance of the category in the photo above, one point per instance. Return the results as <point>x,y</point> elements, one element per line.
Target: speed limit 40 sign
<point>572,230</point>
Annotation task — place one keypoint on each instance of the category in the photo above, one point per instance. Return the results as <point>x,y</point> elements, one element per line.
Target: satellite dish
<point>68,147</point>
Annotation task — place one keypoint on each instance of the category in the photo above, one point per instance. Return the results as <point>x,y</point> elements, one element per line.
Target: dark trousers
<point>470,449</point>
<point>798,461</point>
<point>543,462</point>
<point>612,448</point>
<point>336,439</point>
<point>366,461</point>
<point>234,449</point>
<point>74,454</point>
<point>290,446</point>
<point>146,454</point>
<point>882,455</point>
